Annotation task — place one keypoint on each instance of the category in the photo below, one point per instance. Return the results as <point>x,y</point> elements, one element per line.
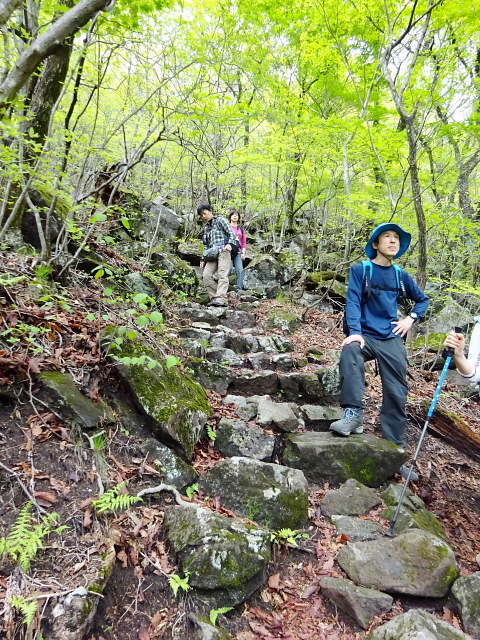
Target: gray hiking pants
<point>391,357</point>
<point>218,289</point>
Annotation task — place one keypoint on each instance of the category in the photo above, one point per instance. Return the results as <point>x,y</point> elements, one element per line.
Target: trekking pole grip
<point>449,352</point>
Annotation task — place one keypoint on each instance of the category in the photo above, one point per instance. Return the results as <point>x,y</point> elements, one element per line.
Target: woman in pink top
<point>239,231</point>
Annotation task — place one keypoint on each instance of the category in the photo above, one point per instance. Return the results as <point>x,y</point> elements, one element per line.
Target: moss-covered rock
<point>176,407</point>
<point>283,319</point>
<point>219,553</point>
<point>418,519</point>
<point>278,498</point>
<point>417,623</point>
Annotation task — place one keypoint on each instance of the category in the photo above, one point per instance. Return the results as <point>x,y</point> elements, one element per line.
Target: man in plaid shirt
<point>217,232</point>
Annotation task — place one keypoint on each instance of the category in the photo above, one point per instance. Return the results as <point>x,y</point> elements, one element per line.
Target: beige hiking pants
<point>217,289</point>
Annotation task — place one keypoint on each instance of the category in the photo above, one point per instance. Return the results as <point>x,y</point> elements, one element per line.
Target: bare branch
<point>7,7</point>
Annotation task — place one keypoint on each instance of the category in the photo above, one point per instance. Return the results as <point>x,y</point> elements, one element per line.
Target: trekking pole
<point>448,359</point>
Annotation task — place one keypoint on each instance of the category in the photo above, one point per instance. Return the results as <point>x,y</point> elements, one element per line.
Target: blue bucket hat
<point>405,239</point>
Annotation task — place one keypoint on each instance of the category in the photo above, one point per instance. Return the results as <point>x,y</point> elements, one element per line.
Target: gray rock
<point>194,348</point>
<point>267,344</point>
<point>222,554</point>
<point>283,362</point>
<point>416,563</point>
<point>142,284</point>
<point>151,221</point>
<point>392,494</point>
<point>195,334</point>
<point>206,316</point>
<point>357,530</point>
<point>254,383</point>
<point>282,415</point>
<point>236,438</point>
<point>204,630</point>
<point>265,274</point>
<point>242,343</point>
<point>259,361</point>
<point>417,519</point>
<point>226,357</point>
<point>359,603</point>
<point>329,379</point>
<point>245,408</point>
<point>237,319</point>
<point>178,273</point>
<point>176,471</point>
<point>322,386</point>
<point>277,498</point>
<point>417,624</point>
<point>280,318</point>
<point>219,340</point>
<point>352,499</point>
<point>210,375</point>
<point>466,597</point>
<point>282,343</point>
<point>60,390</point>
<point>320,418</point>
<point>325,457</point>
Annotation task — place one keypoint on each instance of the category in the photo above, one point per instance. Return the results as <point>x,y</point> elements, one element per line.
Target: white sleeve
<point>473,377</point>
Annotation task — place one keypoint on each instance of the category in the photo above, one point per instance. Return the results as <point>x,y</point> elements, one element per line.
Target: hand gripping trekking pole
<point>448,359</point>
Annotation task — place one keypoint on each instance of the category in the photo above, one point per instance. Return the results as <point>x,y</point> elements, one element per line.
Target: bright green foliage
<point>28,609</point>
<point>26,537</point>
<point>214,613</point>
<point>113,500</point>
<point>176,582</point>
<point>192,489</point>
<point>210,432</point>
<point>288,535</point>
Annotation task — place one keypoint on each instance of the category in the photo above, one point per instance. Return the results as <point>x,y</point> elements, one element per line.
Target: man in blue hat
<point>374,331</point>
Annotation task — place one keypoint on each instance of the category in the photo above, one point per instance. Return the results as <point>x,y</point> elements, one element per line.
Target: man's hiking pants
<point>221,267</point>
<point>391,357</point>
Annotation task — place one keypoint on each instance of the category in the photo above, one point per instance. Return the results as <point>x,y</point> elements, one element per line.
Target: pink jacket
<point>242,236</point>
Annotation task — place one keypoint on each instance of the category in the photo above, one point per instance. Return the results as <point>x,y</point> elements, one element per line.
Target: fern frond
<point>214,613</point>
<point>28,609</point>
<point>111,500</point>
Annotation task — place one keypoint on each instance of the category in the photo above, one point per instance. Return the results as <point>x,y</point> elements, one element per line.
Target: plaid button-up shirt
<point>218,231</point>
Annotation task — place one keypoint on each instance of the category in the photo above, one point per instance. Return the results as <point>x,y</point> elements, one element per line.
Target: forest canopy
<point>317,119</point>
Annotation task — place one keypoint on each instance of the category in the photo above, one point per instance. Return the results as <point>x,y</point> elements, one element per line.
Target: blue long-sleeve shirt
<point>374,318</point>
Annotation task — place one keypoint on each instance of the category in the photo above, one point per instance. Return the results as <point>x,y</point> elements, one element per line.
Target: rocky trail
<point>253,516</point>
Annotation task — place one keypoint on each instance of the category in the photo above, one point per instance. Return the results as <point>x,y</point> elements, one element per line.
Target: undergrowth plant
<point>114,500</point>
<point>288,535</point>
<point>176,582</point>
<point>214,613</point>
<point>26,537</point>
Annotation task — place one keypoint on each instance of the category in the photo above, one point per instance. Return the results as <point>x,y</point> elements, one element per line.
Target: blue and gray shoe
<point>350,422</point>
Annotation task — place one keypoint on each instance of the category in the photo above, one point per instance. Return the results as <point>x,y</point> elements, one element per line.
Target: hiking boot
<point>216,302</point>
<point>404,471</point>
<point>351,422</point>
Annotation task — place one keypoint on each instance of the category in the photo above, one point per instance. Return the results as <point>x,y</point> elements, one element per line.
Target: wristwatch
<point>413,315</point>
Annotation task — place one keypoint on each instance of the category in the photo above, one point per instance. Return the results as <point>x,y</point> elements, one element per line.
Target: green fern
<point>112,500</point>
<point>192,489</point>
<point>28,609</point>
<point>176,582</point>
<point>211,433</point>
<point>214,613</point>
<point>25,538</point>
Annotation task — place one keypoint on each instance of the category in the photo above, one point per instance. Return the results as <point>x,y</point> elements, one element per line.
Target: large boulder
<point>176,407</point>
<point>224,356</point>
<point>277,498</point>
<point>415,563</point>
<point>237,438</point>
<point>225,558</point>
<point>466,597</point>
<point>268,273</point>
<point>325,457</point>
<point>351,499</point>
<point>359,603</point>
<point>417,624</point>
<point>151,221</point>
<point>177,273</point>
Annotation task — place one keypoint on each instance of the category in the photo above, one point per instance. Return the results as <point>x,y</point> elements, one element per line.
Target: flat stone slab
<point>280,415</point>
<point>237,438</point>
<point>61,391</point>
<point>246,408</point>
<point>250,383</point>
<point>319,418</point>
<point>227,357</point>
<point>359,603</point>
<point>358,530</point>
<point>352,499</point>
<point>325,457</point>
<point>417,624</point>
<point>175,470</point>
<point>211,375</point>
<point>269,494</point>
<point>416,563</point>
